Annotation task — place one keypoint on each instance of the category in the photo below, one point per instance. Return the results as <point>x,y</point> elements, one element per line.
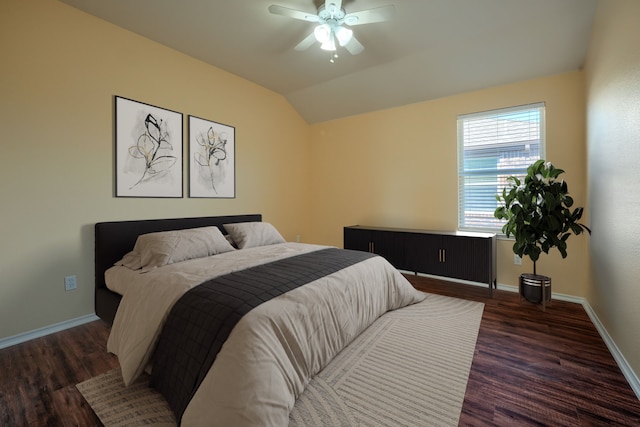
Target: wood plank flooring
<point>534,368</point>
<point>38,378</point>
<point>530,368</point>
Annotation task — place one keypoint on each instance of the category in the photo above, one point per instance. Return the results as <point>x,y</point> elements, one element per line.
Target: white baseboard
<point>41,332</point>
<point>627,371</point>
<point>624,366</point>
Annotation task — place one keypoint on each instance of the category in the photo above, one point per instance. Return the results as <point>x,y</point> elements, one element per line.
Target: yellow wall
<point>613,114</point>
<point>398,168</point>
<point>60,71</point>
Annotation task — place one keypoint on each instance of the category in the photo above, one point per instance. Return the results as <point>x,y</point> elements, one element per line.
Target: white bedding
<point>274,350</point>
<point>148,297</point>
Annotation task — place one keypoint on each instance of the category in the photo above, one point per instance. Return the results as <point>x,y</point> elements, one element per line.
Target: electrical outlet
<point>517,260</point>
<point>70,283</point>
<point>298,238</point>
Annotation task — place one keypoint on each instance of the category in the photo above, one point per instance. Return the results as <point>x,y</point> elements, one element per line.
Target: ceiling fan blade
<point>292,13</point>
<point>354,46</point>
<point>370,16</point>
<point>306,43</point>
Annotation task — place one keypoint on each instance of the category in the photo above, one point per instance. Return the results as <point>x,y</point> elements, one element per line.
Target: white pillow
<point>154,250</point>
<point>252,234</point>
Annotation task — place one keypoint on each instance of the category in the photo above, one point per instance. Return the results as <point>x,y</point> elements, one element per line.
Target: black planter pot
<point>531,286</point>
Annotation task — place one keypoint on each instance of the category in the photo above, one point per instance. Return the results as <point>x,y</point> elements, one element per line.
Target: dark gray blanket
<point>202,319</point>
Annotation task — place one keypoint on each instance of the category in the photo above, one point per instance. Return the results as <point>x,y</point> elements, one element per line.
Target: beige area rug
<point>120,406</point>
<point>410,368</point>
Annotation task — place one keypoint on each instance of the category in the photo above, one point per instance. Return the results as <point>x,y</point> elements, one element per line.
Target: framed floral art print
<point>211,159</point>
<point>148,150</point>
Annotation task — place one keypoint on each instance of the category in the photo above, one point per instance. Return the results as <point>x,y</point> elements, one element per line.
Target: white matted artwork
<point>148,150</point>
<point>212,157</point>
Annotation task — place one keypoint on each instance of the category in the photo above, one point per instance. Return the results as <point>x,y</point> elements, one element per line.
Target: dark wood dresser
<point>459,255</point>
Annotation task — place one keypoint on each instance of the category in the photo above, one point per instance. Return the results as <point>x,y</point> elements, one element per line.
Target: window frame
<point>495,177</point>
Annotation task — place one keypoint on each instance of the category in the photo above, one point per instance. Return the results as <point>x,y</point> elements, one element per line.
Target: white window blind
<point>492,146</point>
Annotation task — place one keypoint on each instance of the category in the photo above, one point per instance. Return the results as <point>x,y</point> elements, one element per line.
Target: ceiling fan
<point>331,19</point>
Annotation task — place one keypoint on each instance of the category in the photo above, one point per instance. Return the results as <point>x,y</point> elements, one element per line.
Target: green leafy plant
<point>538,212</point>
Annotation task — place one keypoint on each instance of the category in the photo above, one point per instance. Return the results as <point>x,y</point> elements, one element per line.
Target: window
<point>492,146</point>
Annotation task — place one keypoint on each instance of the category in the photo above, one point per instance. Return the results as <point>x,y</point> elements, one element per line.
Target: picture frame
<point>148,150</point>
<point>212,170</point>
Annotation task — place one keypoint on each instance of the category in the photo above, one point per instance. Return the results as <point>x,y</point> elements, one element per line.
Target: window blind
<point>492,146</point>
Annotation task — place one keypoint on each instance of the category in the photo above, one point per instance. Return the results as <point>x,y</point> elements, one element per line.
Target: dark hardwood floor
<point>38,378</point>
<point>535,368</point>
<point>530,368</point>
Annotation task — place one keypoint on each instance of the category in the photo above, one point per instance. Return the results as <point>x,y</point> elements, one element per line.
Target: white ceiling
<point>430,49</point>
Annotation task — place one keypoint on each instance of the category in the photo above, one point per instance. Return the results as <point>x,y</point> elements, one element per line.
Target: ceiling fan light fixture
<point>322,33</point>
<point>327,34</point>
<point>329,44</point>
<point>343,35</point>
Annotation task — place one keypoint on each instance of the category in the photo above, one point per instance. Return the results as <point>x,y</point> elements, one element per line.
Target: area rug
<point>120,406</point>
<point>409,368</point>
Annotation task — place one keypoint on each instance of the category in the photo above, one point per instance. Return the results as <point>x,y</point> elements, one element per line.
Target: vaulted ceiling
<point>429,49</point>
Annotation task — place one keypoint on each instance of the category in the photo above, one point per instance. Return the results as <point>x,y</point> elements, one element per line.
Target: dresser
<point>459,255</point>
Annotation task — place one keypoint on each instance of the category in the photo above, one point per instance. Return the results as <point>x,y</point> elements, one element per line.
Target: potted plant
<point>539,216</point>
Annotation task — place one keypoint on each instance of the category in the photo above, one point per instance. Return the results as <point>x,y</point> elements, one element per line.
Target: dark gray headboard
<point>114,239</point>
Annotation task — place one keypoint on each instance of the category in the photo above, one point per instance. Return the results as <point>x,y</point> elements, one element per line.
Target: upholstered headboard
<point>114,239</point>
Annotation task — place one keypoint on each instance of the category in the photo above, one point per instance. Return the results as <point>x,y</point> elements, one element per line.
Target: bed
<point>320,299</point>
<point>113,239</point>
